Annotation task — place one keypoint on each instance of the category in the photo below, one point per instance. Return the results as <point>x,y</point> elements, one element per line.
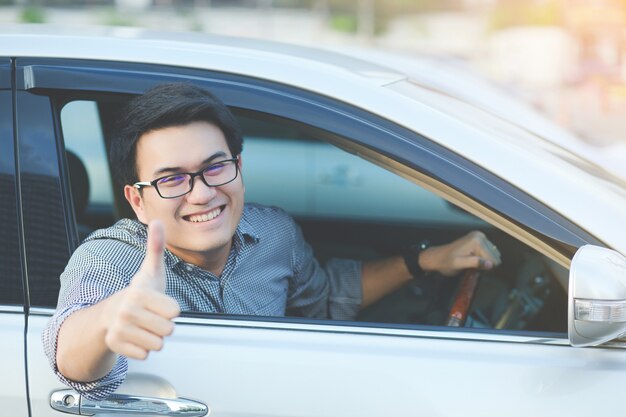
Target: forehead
<point>181,147</point>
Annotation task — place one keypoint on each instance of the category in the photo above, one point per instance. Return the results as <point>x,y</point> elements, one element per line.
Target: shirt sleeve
<point>333,291</point>
<point>87,280</point>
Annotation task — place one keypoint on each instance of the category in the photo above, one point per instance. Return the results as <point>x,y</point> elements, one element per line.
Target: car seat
<point>79,183</point>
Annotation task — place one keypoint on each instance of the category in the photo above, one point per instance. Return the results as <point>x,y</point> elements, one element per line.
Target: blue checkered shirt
<point>270,271</point>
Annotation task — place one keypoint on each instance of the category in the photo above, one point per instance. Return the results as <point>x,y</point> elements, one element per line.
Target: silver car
<point>367,161</point>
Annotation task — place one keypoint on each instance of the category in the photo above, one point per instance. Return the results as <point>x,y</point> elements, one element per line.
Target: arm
<point>131,322</point>
<point>473,250</point>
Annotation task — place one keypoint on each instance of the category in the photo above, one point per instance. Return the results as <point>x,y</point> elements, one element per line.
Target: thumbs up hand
<point>140,316</point>
<point>152,272</point>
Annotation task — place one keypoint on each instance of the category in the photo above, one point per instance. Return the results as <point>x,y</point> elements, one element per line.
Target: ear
<point>133,196</point>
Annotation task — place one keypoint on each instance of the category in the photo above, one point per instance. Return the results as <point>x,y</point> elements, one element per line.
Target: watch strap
<point>411,258</point>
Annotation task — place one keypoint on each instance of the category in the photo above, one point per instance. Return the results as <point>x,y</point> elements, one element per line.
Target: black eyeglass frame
<point>139,185</point>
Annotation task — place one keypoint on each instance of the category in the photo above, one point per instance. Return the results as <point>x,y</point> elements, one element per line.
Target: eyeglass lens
<point>216,174</point>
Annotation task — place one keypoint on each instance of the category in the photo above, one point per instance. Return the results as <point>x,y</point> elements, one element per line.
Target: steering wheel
<point>463,299</point>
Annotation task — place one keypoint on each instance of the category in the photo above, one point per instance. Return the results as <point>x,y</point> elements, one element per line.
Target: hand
<point>473,250</point>
<point>140,316</point>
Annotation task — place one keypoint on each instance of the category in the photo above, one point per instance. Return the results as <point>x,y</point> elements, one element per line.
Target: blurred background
<point>565,59</point>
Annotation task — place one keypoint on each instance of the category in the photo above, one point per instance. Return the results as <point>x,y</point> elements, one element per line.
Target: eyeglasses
<point>177,185</point>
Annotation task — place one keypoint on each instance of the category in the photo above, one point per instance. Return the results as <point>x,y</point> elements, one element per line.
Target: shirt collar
<point>246,228</point>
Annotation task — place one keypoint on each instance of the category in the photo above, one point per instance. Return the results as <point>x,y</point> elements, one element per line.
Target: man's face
<point>199,226</point>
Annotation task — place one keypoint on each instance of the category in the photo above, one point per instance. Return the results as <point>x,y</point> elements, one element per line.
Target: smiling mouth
<point>199,218</point>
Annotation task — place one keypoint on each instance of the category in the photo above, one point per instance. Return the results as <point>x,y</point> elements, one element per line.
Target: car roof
<point>558,178</point>
<point>455,78</point>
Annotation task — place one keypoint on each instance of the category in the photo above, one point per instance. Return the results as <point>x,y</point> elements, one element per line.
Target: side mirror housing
<point>596,296</point>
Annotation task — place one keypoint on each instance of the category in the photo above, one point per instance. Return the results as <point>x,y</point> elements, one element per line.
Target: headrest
<point>79,180</point>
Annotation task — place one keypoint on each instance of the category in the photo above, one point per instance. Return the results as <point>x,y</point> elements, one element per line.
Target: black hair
<point>166,105</point>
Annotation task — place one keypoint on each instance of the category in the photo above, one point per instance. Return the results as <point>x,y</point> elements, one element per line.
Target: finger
<point>147,301</point>
<point>120,340</point>
<point>487,249</point>
<point>140,338</point>
<point>163,305</point>
<point>152,271</point>
<point>129,350</point>
<point>485,264</point>
<point>490,254</point>
<point>154,322</point>
<point>493,252</point>
<point>476,262</point>
<point>155,247</point>
<point>158,325</point>
<point>150,316</point>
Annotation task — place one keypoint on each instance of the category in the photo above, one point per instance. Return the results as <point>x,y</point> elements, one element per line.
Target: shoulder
<point>129,231</point>
<point>263,220</point>
<point>258,213</point>
<point>121,245</point>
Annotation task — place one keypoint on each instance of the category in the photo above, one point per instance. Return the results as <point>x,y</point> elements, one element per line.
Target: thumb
<point>152,271</point>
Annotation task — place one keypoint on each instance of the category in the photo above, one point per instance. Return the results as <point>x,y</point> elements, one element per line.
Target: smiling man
<point>178,158</point>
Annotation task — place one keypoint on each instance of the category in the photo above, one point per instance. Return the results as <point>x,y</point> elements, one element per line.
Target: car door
<point>264,366</point>
<point>13,392</point>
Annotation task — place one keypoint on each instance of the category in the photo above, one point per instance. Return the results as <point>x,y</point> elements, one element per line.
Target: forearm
<point>382,277</point>
<point>82,354</point>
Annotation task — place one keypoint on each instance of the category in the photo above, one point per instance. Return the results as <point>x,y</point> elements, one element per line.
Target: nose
<point>200,192</point>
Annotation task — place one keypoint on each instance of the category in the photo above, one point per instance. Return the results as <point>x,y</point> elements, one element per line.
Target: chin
<point>207,246</point>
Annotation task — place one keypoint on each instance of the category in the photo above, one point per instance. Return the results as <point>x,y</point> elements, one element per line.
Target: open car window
<point>354,208</point>
<point>350,207</point>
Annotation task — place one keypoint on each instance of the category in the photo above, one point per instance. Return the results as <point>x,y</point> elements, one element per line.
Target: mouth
<point>204,217</point>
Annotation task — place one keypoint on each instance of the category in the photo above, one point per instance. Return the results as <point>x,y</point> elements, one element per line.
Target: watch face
<point>424,244</point>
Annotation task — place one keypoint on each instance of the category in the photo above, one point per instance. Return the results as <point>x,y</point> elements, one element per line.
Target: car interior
<point>347,207</point>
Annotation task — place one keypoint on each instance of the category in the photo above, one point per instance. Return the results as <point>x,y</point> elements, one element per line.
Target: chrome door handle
<point>70,401</point>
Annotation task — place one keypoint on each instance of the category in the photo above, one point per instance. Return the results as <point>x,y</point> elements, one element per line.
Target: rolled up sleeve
<point>93,390</point>
<point>86,281</point>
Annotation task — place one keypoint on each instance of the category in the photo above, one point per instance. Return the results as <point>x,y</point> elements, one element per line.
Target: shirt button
<point>189,268</point>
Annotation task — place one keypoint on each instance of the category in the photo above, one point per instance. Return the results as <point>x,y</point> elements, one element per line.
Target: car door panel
<point>255,369</point>
<point>13,386</point>
<point>298,371</point>
<point>42,381</point>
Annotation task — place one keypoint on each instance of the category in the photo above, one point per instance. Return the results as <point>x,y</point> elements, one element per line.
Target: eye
<point>215,169</point>
<point>172,180</point>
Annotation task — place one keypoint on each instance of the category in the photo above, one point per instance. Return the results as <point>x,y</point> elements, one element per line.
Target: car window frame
<point>12,298</point>
<point>339,121</point>
<point>419,153</point>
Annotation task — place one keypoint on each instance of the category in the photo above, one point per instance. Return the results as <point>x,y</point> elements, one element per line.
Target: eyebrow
<point>165,170</point>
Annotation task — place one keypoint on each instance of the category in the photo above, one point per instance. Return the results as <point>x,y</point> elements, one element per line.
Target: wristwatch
<point>411,258</point>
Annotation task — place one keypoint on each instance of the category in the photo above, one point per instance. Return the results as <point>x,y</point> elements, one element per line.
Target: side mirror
<point>596,297</point>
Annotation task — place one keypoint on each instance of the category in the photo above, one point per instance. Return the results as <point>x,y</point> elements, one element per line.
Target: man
<point>178,157</point>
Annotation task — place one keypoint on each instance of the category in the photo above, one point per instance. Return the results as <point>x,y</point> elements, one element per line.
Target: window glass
<point>312,178</point>
<point>82,133</point>
<point>11,291</point>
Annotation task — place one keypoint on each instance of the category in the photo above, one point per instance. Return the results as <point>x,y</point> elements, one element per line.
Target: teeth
<point>205,217</point>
